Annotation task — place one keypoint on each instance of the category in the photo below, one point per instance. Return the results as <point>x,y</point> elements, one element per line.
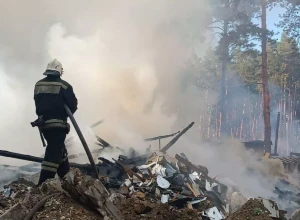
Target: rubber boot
<point>63,168</point>
<point>45,174</point>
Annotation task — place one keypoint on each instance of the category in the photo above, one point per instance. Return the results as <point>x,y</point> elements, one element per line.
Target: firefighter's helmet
<point>54,66</point>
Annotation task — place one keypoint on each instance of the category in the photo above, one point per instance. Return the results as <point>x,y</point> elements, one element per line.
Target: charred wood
<point>175,139</point>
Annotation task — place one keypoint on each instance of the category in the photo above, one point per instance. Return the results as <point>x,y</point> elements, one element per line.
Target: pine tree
<point>233,24</point>
<point>291,18</point>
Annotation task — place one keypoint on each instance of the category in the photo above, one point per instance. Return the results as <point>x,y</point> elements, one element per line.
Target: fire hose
<point>86,148</point>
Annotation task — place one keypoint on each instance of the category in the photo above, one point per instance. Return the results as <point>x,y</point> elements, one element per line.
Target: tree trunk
<point>250,117</point>
<point>225,59</point>
<point>266,95</point>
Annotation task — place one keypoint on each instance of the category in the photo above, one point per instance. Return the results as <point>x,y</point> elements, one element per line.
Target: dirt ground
<point>19,189</point>
<point>63,207</point>
<point>136,209</point>
<point>252,210</point>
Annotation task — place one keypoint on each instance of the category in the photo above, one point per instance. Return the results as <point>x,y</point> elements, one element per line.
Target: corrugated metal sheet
<point>290,163</point>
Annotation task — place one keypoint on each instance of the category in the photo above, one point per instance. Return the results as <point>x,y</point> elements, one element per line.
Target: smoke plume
<point>124,60</point>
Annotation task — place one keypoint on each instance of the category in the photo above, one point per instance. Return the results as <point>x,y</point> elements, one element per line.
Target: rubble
<point>256,209</point>
<point>136,209</point>
<point>237,201</point>
<point>90,192</point>
<point>133,186</point>
<point>166,180</point>
<point>162,186</point>
<point>252,209</point>
<point>296,215</point>
<point>57,204</point>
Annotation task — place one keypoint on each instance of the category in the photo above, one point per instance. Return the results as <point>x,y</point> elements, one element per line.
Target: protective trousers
<point>56,156</point>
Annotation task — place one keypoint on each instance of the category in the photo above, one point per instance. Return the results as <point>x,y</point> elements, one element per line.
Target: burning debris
<point>135,187</point>
<point>173,181</point>
<point>131,188</point>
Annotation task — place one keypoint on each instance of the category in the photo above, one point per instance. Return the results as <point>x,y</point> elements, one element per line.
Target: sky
<point>273,19</point>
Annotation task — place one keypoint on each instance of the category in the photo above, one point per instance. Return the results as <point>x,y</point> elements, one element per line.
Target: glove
<point>68,128</point>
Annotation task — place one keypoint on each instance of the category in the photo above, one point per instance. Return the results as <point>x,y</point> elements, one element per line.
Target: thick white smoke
<point>124,59</point>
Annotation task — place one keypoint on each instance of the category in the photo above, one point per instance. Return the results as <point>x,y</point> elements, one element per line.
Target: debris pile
<point>142,187</point>
<point>258,209</point>
<point>153,185</point>
<point>26,201</point>
<point>136,209</point>
<point>165,180</point>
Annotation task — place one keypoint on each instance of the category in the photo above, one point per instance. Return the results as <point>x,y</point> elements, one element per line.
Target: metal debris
<point>141,185</point>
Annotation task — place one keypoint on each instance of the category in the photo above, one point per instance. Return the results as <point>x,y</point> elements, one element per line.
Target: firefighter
<point>50,95</point>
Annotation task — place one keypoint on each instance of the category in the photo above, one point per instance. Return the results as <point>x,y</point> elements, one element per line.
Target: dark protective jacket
<point>50,95</point>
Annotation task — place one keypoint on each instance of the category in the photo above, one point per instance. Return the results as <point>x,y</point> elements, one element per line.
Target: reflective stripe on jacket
<point>50,95</point>
<point>54,123</point>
